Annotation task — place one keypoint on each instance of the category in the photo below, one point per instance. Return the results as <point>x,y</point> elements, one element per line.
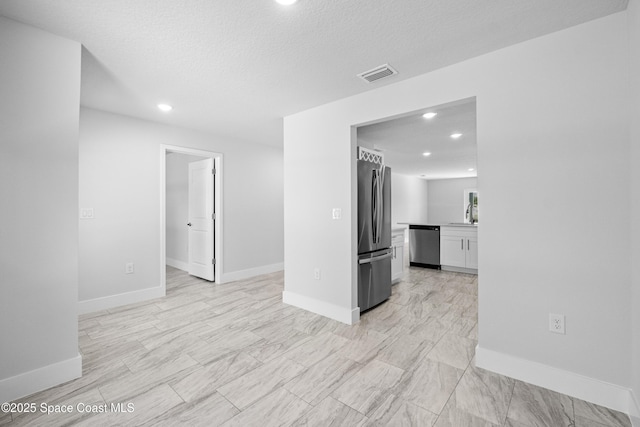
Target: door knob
<point>189,224</point>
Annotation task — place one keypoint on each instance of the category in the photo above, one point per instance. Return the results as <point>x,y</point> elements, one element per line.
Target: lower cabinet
<point>472,252</point>
<point>452,251</point>
<point>459,248</point>
<point>397,262</point>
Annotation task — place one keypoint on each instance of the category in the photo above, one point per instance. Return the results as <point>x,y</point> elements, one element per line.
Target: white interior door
<point>201,219</point>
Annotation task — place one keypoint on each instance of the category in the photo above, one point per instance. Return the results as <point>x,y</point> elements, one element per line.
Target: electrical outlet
<point>556,323</point>
<point>128,268</point>
<point>316,273</point>
<point>336,213</point>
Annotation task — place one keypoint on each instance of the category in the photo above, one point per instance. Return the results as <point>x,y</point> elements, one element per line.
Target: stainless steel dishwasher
<point>424,246</point>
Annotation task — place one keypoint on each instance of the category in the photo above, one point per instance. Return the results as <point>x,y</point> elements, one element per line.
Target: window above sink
<point>470,206</point>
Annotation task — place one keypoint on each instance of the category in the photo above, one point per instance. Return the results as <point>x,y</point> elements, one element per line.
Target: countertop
<point>453,224</point>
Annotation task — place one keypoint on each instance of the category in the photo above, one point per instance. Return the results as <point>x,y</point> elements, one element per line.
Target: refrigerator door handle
<point>380,201</point>
<point>375,258</point>
<point>374,206</point>
<point>379,207</point>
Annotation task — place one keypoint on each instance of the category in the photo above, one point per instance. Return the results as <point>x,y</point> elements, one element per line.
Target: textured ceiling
<point>404,139</point>
<point>236,67</point>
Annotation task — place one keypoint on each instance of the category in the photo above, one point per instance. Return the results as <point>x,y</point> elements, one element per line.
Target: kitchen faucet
<point>469,214</point>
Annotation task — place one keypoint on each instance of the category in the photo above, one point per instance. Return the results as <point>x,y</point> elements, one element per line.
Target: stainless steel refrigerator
<point>374,234</point>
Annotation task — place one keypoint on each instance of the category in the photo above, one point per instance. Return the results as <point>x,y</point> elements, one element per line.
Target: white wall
<point>552,122</point>
<point>120,179</point>
<point>39,102</point>
<point>634,47</point>
<point>177,202</point>
<point>408,200</point>
<point>446,199</point>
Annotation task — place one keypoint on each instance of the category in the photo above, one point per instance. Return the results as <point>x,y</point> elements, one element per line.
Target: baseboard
<point>634,409</point>
<point>180,265</point>
<point>27,383</point>
<point>459,269</point>
<point>103,303</point>
<point>585,388</point>
<point>251,272</point>
<point>332,311</point>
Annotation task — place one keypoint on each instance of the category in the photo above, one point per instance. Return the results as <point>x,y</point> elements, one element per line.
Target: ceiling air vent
<point>377,73</point>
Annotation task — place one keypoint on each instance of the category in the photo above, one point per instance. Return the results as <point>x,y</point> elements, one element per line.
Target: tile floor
<point>235,355</point>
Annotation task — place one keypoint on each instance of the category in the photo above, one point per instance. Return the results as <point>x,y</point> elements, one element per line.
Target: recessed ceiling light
<point>456,135</point>
<point>470,169</point>
<point>165,107</point>
<point>429,115</point>
<point>286,2</point>
<point>426,154</point>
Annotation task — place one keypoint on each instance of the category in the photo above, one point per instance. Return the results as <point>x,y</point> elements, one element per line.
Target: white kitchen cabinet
<point>472,252</point>
<point>452,251</point>
<point>397,262</point>
<point>459,248</point>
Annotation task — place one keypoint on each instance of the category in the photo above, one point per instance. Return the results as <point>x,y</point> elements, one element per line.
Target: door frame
<point>217,205</point>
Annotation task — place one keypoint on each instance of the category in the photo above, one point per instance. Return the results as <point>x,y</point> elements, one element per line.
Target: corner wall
<point>409,197</point>
<point>120,179</point>
<point>446,199</point>
<point>633,13</point>
<point>551,125</point>
<point>39,103</point>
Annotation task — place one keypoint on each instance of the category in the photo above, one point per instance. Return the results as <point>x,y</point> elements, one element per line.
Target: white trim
<point>323,308</point>
<point>370,155</point>
<point>218,199</point>
<point>163,217</point>
<point>180,265</point>
<point>39,379</point>
<point>459,269</point>
<point>634,409</point>
<point>252,272</point>
<point>355,315</point>
<point>103,303</point>
<point>585,388</point>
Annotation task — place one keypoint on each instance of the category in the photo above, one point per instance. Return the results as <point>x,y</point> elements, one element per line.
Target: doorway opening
<point>191,231</point>
<point>432,154</point>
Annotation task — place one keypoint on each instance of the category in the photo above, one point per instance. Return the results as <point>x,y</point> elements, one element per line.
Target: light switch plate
<point>86,213</point>
<point>337,213</point>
